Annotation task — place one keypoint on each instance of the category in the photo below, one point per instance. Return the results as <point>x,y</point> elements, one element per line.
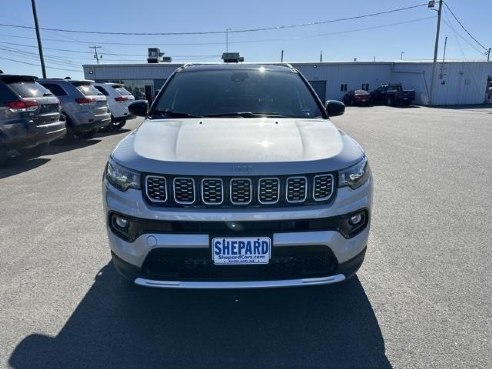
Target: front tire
<point>118,125</point>
<point>389,101</point>
<point>3,154</point>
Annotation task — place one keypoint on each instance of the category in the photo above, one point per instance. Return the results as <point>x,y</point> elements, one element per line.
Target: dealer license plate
<point>241,250</point>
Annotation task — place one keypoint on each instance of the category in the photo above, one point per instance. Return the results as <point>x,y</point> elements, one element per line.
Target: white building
<point>456,82</point>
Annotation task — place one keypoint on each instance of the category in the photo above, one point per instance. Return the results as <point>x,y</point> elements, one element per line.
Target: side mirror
<point>139,108</point>
<point>334,108</point>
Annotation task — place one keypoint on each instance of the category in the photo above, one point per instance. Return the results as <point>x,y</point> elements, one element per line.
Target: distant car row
<point>389,94</point>
<point>35,112</point>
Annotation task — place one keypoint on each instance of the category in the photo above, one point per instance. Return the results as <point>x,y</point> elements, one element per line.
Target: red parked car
<point>357,97</point>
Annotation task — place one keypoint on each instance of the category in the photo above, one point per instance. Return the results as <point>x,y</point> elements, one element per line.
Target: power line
<point>206,43</point>
<point>55,59</point>
<point>271,28</point>
<point>462,26</point>
<point>456,33</point>
<point>37,65</point>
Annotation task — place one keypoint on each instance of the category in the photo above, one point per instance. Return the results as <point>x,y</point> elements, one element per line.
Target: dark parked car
<point>392,94</point>
<point>29,116</point>
<point>357,97</point>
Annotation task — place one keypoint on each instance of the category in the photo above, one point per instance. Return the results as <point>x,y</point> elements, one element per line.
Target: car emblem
<point>242,168</point>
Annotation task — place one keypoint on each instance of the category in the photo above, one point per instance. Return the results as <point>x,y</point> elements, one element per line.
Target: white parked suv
<point>237,179</point>
<point>118,100</point>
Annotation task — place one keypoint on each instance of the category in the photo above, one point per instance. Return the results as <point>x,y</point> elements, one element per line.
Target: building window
<point>365,86</point>
<point>343,87</point>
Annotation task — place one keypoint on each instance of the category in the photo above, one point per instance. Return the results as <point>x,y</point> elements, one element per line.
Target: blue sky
<point>407,34</point>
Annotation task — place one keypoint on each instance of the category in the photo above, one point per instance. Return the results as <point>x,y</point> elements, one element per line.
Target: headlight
<point>356,175</point>
<point>121,177</point>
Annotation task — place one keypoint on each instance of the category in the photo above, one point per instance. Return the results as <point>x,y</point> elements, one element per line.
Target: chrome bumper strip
<point>240,284</point>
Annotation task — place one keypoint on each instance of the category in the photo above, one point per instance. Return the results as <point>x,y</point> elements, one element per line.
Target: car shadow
<point>118,325</point>
<point>113,132</point>
<point>20,164</point>
<point>64,146</point>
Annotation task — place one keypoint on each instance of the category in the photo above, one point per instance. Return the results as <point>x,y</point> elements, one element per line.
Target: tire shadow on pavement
<point>119,325</point>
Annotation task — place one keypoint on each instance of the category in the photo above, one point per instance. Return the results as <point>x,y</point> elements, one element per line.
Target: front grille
<point>323,187</point>
<point>296,189</point>
<point>268,190</point>
<point>184,190</point>
<point>156,189</point>
<point>228,192</point>
<point>212,191</point>
<point>240,191</point>
<point>291,262</point>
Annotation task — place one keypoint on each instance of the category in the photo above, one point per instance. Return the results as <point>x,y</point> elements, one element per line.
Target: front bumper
<point>131,256</point>
<point>343,272</point>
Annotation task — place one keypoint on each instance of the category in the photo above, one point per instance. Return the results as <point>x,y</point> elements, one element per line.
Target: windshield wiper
<point>174,114</point>
<point>246,114</point>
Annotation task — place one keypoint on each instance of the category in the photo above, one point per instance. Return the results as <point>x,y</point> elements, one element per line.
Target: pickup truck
<point>392,94</point>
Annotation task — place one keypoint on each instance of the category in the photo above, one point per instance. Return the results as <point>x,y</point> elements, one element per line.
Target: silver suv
<point>85,108</point>
<point>237,179</point>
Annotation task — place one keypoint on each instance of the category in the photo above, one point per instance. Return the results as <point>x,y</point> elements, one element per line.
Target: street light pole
<point>436,48</point>
<point>38,35</point>
<point>401,55</point>
<point>227,39</point>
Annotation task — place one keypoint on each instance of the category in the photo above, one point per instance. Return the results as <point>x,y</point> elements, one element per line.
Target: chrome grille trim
<point>205,191</point>
<point>182,186</point>
<point>317,186</point>
<point>181,191</point>
<point>235,195</point>
<point>262,190</point>
<point>161,186</point>
<point>294,191</point>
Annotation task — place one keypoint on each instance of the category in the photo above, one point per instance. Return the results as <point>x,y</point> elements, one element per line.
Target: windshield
<point>121,90</point>
<point>86,88</point>
<point>29,89</point>
<point>239,92</point>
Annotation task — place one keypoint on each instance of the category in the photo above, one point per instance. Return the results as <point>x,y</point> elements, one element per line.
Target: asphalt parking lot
<point>422,299</point>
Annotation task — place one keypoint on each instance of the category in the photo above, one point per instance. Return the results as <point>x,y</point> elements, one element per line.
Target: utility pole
<point>38,35</point>
<point>436,48</point>
<point>96,55</point>
<point>227,39</point>
<point>488,55</point>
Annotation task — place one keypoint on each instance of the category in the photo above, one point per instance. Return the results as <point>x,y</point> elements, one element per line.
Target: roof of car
<point>243,66</point>
<point>64,80</point>
<point>15,76</point>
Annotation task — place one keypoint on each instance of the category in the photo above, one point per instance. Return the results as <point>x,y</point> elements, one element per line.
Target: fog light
<point>121,222</point>
<point>356,219</point>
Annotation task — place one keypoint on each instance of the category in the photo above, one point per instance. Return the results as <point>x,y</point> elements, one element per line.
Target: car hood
<point>234,140</point>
